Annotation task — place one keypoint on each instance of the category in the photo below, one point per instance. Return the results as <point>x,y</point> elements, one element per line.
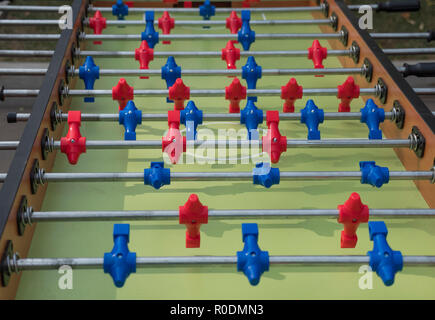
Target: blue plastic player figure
<point>130,117</point>
<point>373,174</point>
<point>263,174</point>
<point>252,261</point>
<point>251,116</point>
<point>89,72</point>
<point>157,175</point>
<point>170,72</point>
<point>120,262</point>
<point>383,260</point>
<point>207,10</point>
<point>245,35</point>
<point>372,115</point>
<point>120,10</point>
<point>191,117</point>
<point>311,115</point>
<point>251,72</point>
<point>150,35</point>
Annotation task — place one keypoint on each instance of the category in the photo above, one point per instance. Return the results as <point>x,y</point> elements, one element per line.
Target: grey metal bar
<point>9,145</point>
<point>206,116</point>
<point>215,214</point>
<point>270,36</point>
<point>294,53</point>
<point>219,22</point>
<point>26,22</point>
<point>142,262</point>
<point>224,176</point>
<point>217,10</point>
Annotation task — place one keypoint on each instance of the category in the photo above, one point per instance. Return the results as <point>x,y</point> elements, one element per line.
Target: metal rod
<point>212,92</point>
<point>217,10</point>
<point>157,144</point>
<point>163,54</point>
<point>187,72</point>
<point>200,93</point>
<point>26,22</point>
<point>172,37</point>
<point>43,176</point>
<point>425,91</point>
<point>23,264</point>
<point>206,116</point>
<point>203,22</point>
<point>213,214</point>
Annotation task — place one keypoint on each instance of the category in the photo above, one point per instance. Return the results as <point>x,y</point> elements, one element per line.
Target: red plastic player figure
<point>174,144</point>
<point>290,93</point>
<point>166,23</point>
<point>193,214</point>
<point>123,93</point>
<point>351,214</point>
<point>73,145</point>
<point>317,53</point>
<point>187,4</point>
<point>179,93</point>
<point>274,143</point>
<point>233,22</point>
<point>235,92</point>
<point>230,54</point>
<point>347,92</point>
<point>144,54</point>
<point>98,23</point>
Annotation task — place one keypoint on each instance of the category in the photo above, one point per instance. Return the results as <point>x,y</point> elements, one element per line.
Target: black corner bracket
<point>54,118</point>
<point>355,52</point>
<point>344,35</point>
<point>334,21</point>
<point>5,272</point>
<point>44,144</point>
<point>418,142</point>
<point>398,114</point>
<point>368,70</point>
<point>61,92</point>
<point>34,177</point>
<point>382,90</point>
<point>22,210</point>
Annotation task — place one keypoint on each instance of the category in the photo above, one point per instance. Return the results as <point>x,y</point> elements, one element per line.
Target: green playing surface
<point>316,236</point>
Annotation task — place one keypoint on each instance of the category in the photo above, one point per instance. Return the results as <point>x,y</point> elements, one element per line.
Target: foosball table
<point>237,150</point>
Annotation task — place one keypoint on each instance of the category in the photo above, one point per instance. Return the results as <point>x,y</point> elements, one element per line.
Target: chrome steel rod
<point>206,116</point>
<point>326,143</point>
<point>163,37</point>
<point>215,92</point>
<point>157,144</point>
<point>163,54</point>
<point>225,176</point>
<point>215,214</point>
<point>214,22</point>
<point>9,145</point>
<point>23,264</point>
<point>217,10</point>
<point>199,72</point>
<point>408,51</point>
<point>27,22</point>
<point>425,91</point>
